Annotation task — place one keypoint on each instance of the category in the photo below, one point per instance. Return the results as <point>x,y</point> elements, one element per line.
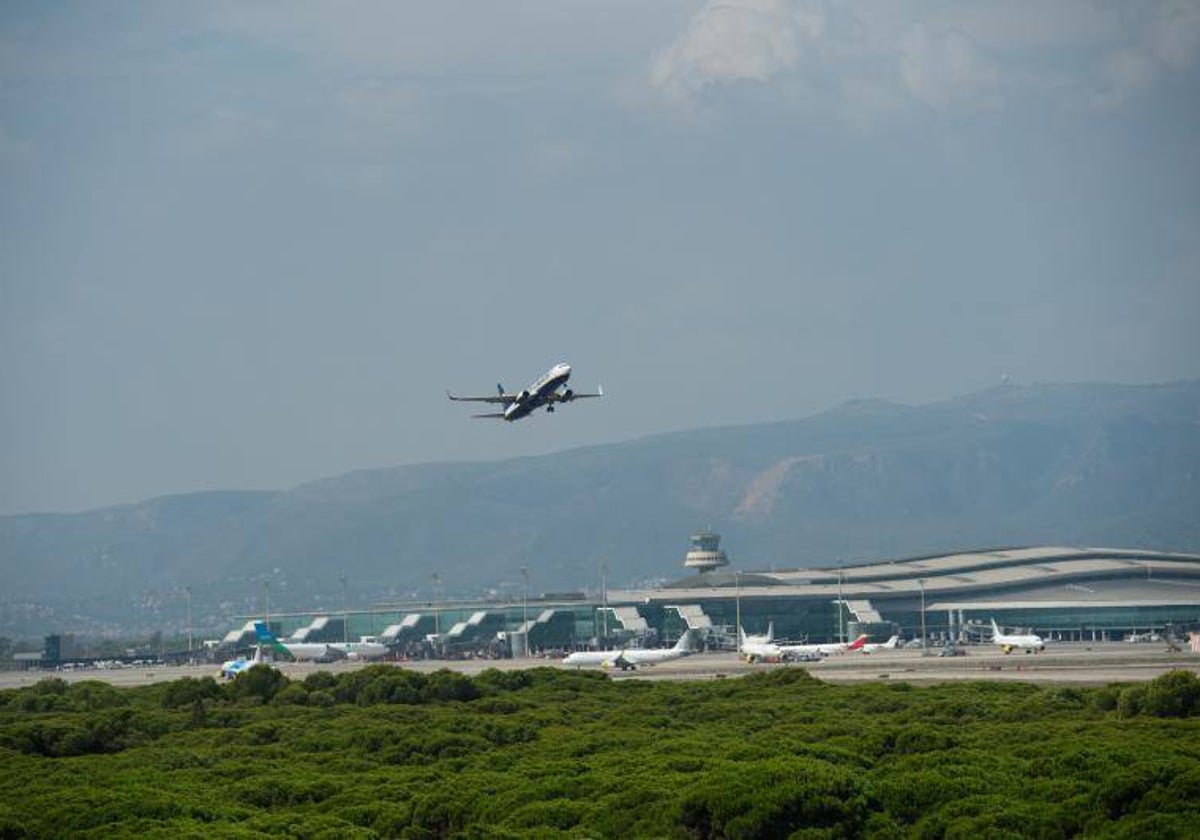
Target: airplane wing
<point>568,396</point>
<point>499,399</point>
<point>499,415</point>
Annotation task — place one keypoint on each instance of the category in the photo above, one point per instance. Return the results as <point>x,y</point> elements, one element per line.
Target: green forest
<point>387,752</point>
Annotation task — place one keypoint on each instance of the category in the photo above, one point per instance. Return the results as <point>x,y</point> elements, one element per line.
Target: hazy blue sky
<point>244,245</point>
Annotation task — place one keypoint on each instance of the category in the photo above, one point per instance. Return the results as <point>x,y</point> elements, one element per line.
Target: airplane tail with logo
<point>266,637</point>
<point>859,642</point>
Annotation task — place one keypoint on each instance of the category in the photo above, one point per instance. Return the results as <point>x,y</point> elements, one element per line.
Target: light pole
<point>345,611</point>
<point>525,607</point>
<point>841,619</point>
<point>604,597</point>
<point>924,650</point>
<point>267,603</point>
<point>187,591</point>
<point>737,584</point>
<point>437,613</point>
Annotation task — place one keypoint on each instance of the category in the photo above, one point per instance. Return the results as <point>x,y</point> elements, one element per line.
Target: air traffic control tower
<point>705,553</point>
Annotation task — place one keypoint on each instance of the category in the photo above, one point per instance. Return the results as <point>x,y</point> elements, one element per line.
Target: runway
<point>1075,664</point>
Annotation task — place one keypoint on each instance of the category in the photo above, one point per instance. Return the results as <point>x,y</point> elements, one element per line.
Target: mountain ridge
<point>1080,464</point>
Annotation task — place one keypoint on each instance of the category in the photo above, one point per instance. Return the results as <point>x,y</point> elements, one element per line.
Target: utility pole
<point>267,603</point>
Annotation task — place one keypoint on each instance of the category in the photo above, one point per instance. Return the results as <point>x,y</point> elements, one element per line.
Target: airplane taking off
<point>543,392</point>
<point>299,651</point>
<point>1008,643</point>
<point>631,658</point>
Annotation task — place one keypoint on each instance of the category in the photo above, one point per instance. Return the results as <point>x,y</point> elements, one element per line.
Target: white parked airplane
<point>754,651</point>
<point>300,651</point>
<point>639,656</point>
<point>596,658</point>
<point>888,645</point>
<point>630,658</point>
<point>364,648</point>
<point>543,392</point>
<point>1010,642</point>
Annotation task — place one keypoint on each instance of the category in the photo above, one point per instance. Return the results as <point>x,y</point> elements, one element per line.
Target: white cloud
<point>946,69</point>
<point>735,40</point>
<point>866,62</point>
<point>1173,35</point>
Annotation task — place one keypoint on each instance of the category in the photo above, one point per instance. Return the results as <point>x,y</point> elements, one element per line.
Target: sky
<point>249,245</point>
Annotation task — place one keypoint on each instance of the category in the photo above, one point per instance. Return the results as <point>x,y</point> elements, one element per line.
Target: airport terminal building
<point>1063,593</point>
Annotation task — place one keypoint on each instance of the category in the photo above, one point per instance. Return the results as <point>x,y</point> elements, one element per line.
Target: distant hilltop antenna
<point>705,553</point>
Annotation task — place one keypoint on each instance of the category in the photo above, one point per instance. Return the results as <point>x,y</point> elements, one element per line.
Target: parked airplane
<point>296,650</point>
<point>1008,643</point>
<point>364,648</point>
<point>639,656</point>
<point>233,667</point>
<point>753,638</point>
<point>754,651</point>
<point>543,392</point>
<point>630,658</point>
<point>597,658</point>
<point>888,645</point>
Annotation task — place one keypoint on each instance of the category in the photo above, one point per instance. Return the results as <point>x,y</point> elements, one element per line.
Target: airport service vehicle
<point>1028,642</point>
<point>233,667</point>
<point>544,392</point>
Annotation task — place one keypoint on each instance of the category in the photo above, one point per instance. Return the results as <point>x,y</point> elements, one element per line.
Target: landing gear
<point>549,409</point>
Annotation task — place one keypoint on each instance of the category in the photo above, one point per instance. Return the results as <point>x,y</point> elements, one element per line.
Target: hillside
<point>1064,464</point>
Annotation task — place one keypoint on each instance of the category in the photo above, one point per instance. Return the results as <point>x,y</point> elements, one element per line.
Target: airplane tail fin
<point>995,628</point>
<point>859,642</point>
<point>685,641</point>
<point>500,389</point>
<point>771,631</point>
<point>892,642</point>
<point>266,637</point>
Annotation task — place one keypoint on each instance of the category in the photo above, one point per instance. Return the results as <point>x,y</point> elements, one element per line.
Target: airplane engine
<point>521,397</point>
<point>568,395</point>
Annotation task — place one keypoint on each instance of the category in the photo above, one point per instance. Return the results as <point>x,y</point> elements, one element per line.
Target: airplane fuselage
<point>538,394</point>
